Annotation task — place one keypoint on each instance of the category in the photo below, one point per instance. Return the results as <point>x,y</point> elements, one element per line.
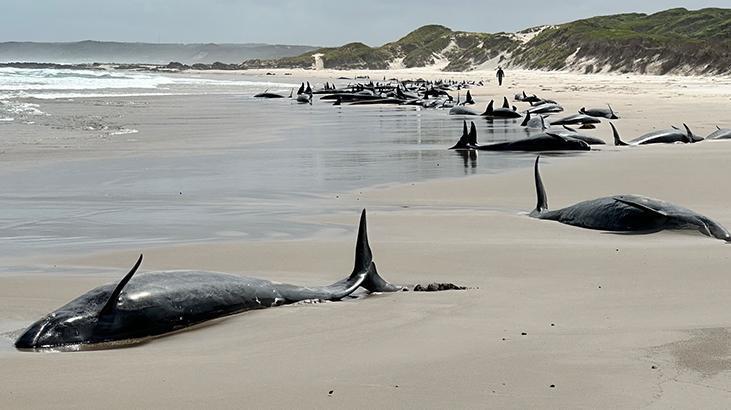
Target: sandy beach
<point>554,317</point>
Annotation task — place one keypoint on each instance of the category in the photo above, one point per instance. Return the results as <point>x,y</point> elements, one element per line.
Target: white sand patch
<point>319,64</point>
<point>396,64</point>
<point>528,35</point>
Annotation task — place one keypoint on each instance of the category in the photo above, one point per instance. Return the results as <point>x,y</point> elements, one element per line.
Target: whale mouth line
<point>91,346</point>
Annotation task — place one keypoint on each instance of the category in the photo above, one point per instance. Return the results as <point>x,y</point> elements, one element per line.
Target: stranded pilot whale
<point>545,141</point>
<point>626,213</point>
<point>158,303</point>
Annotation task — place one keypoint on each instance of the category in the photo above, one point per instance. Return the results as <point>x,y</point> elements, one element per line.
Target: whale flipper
<point>639,205</point>
<point>114,297</point>
<point>541,197</point>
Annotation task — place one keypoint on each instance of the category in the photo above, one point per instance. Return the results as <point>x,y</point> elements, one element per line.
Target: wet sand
<point>557,317</point>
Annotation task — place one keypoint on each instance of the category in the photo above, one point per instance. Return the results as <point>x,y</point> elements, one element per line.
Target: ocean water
<point>191,167</point>
<point>69,83</point>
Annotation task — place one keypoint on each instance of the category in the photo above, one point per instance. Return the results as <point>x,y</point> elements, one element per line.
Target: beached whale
<point>720,134</point>
<point>545,108</point>
<point>600,112</point>
<point>544,142</point>
<point>626,213</point>
<point>504,112</point>
<point>566,131</point>
<point>462,110</point>
<point>267,94</point>
<point>155,304</point>
<point>669,136</point>
<point>577,119</point>
<point>523,97</point>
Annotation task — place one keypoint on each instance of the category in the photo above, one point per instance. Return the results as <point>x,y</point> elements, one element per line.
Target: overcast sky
<point>311,22</point>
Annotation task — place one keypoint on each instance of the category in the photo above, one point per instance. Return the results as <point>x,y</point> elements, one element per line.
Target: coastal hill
<point>675,41</point>
<point>143,53</point>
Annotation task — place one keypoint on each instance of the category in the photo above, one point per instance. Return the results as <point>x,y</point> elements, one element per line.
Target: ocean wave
<point>16,80</point>
<point>124,131</point>
<point>20,108</point>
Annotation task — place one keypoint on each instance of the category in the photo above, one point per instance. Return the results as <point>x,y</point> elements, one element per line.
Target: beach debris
<point>437,287</point>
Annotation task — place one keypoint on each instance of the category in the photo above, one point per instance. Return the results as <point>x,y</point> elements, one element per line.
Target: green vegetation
<point>673,38</point>
<point>669,41</point>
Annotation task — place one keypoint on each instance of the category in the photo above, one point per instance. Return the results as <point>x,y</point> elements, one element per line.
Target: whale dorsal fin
<point>617,140</point>
<point>543,123</point>
<point>489,108</point>
<point>542,198</point>
<point>472,136</point>
<point>114,297</point>
<point>505,102</point>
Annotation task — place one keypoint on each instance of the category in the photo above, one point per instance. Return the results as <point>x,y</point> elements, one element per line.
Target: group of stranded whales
<point>155,304</point>
<point>423,93</point>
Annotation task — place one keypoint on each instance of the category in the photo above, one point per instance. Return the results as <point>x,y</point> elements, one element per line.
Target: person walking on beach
<point>500,74</point>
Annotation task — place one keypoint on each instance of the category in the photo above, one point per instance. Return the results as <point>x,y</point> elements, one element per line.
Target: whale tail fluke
<point>373,282</point>
<point>472,136</point>
<point>617,140</point>
<point>463,139</point>
<point>691,137</point>
<point>542,199</point>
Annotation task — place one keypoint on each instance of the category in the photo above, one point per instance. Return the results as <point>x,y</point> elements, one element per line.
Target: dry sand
<point>610,321</point>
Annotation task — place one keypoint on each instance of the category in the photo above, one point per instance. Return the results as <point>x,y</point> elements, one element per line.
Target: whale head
<point>73,324</point>
<point>90,318</point>
<point>717,230</point>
